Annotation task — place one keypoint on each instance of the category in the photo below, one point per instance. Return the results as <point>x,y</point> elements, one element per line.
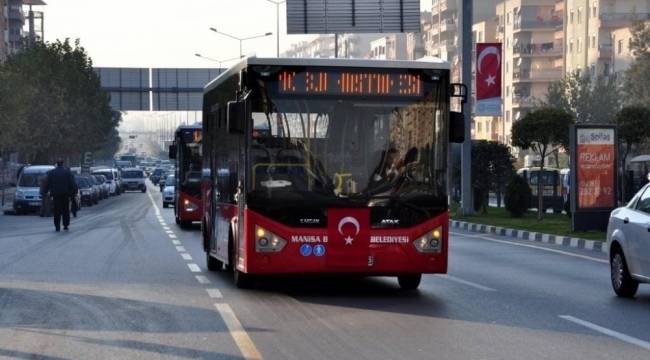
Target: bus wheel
<point>242,280</point>
<point>213,263</point>
<point>409,282</point>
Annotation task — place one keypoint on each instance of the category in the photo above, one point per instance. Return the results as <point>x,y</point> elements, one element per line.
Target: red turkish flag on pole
<point>488,79</point>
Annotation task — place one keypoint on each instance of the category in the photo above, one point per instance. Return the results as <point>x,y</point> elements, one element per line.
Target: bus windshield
<point>189,161</point>
<point>388,155</point>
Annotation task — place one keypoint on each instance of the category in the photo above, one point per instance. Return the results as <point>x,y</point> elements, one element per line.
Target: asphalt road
<point>127,283</point>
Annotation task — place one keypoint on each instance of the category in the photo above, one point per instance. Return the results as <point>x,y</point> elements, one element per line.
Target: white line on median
<point>202,279</point>
<point>615,334</point>
<point>181,249</point>
<point>214,293</point>
<point>243,341</point>
<point>186,256</point>
<point>194,268</point>
<point>468,283</point>
<point>533,247</point>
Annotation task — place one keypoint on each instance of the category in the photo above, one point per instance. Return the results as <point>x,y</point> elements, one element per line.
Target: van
<point>111,176</point>
<point>28,190</point>
<point>551,187</point>
<point>133,179</point>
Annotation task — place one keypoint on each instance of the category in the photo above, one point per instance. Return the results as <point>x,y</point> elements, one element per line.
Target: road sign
<point>352,16</point>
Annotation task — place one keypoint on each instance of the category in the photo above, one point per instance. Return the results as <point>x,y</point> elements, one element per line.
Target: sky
<point>166,33</point>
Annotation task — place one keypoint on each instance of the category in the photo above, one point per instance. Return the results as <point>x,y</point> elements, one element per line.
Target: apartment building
<point>415,42</point>
<point>320,47</point>
<point>389,47</point>
<point>532,34</point>
<point>12,20</point>
<point>622,56</point>
<point>590,25</point>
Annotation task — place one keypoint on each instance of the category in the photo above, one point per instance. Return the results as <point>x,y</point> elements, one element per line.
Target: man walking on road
<point>61,184</point>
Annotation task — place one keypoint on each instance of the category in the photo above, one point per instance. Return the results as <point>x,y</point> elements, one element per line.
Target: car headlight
<point>431,242</point>
<point>189,206</point>
<point>266,241</point>
<point>20,195</point>
<point>85,192</point>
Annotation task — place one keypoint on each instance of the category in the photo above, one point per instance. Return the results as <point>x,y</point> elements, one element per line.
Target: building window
<point>508,18</point>
<point>606,69</point>
<point>620,47</point>
<point>579,45</point>
<point>579,15</point>
<point>593,69</point>
<point>571,46</point>
<point>507,115</point>
<point>593,41</point>
<point>507,91</point>
<point>571,15</point>
<point>594,11</point>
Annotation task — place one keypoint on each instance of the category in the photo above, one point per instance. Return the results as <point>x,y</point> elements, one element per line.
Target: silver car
<point>628,241</point>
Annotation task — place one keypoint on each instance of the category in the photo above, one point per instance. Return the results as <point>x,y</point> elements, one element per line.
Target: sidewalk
<point>564,241</point>
<point>8,199</point>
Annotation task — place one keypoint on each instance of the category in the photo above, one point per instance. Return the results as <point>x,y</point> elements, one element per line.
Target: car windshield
<point>132,174</point>
<point>383,154</point>
<point>549,178</point>
<point>106,174</point>
<point>82,182</point>
<point>31,179</point>
<point>170,181</point>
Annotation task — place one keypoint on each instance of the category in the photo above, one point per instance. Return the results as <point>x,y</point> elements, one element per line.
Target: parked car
<point>28,189</point>
<point>86,191</point>
<point>156,176</point>
<point>97,189</point>
<point>133,179</point>
<point>111,176</point>
<point>169,193</point>
<point>628,241</point>
<point>103,186</point>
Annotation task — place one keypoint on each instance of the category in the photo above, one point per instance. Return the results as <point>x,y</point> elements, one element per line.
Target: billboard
<point>488,79</point>
<point>352,16</point>
<point>593,175</point>
<point>596,168</point>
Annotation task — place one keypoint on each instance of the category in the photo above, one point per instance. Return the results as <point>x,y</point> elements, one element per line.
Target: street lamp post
<point>241,40</point>
<point>217,61</point>
<point>277,23</point>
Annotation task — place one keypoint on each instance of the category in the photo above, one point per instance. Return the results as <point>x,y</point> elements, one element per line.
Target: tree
<point>542,131</point>
<point>492,165</point>
<point>52,102</point>
<point>633,130</point>
<point>590,100</point>
<point>637,76</point>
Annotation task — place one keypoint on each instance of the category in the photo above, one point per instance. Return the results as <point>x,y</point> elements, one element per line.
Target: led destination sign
<point>331,82</point>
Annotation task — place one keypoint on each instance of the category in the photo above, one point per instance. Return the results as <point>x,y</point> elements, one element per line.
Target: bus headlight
<point>189,206</point>
<point>431,242</point>
<point>266,241</point>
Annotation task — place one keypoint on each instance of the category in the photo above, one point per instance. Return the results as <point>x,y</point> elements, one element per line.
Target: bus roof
<point>423,63</point>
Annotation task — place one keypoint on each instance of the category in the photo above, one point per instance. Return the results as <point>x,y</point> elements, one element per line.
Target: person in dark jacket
<point>61,185</point>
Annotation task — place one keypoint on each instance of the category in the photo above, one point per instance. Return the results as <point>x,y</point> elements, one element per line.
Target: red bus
<point>187,150</point>
<point>327,166</point>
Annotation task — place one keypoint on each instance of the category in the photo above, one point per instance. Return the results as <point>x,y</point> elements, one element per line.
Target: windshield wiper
<point>396,198</point>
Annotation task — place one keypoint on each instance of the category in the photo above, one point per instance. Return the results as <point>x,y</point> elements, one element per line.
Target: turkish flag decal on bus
<point>348,232</point>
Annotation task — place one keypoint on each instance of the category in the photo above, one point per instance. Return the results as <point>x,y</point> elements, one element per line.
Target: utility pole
<point>466,152</point>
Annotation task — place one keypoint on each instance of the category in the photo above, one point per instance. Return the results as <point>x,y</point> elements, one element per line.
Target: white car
<point>169,191</point>
<point>628,241</point>
<point>133,179</point>
<point>111,176</point>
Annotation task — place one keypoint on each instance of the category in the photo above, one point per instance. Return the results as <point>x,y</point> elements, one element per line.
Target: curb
<point>564,241</point>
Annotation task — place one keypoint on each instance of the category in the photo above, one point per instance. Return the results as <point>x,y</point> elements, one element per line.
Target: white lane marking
<point>165,227</point>
<point>214,293</point>
<point>169,231</point>
<point>163,223</point>
<point>194,268</point>
<point>243,341</point>
<point>186,256</point>
<point>615,334</point>
<point>534,247</point>
<point>176,242</point>
<point>468,283</point>
<point>202,279</point>
<point>180,249</point>
<point>171,236</point>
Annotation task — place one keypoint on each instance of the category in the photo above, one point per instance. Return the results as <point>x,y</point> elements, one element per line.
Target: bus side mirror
<point>172,152</point>
<point>456,127</point>
<point>236,117</point>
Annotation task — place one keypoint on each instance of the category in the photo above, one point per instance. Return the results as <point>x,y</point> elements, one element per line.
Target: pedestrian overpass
<point>155,89</point>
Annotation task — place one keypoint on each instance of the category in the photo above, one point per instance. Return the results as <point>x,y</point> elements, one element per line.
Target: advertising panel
<point>488,79</point>
<point>596,168</point>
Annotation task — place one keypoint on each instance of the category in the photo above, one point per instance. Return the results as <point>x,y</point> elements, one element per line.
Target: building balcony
<point>523,101</point>
<point>528,75</point>
<point>618,20</point>
<point>440,6</point>
<point>539,23</point>
<point>448,25</point>
<point>541,50</point>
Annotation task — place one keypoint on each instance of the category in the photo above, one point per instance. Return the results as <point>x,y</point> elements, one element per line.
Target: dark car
<point>86,191</point>
<point>157,175</point>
